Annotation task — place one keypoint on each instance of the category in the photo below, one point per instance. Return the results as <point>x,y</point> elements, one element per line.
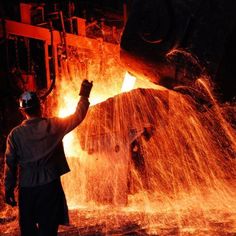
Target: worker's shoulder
<point>26,124</point>
<point>18,127</point>
<point>14,131</point>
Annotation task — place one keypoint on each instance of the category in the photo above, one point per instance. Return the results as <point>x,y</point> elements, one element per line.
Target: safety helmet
<point>28,100</point>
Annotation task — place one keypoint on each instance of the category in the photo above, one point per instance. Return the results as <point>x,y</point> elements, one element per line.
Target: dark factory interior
<point>156,152</point>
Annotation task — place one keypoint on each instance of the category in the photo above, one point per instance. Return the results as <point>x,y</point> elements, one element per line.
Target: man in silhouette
<point>35,150</point>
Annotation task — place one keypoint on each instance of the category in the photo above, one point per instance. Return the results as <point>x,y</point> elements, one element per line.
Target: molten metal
<point>155,159</point>
<point>147,161</point>
<point>129,82</point>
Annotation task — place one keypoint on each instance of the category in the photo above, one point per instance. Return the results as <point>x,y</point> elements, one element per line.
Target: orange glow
<point>68,102</point>
<point>129,82</point>
<point>106,132</point>
<point>186,183</point>
<point>189,173</point>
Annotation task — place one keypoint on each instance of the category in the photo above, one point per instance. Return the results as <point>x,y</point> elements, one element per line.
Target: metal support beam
<point>39,33</point>
<point>46,58</point>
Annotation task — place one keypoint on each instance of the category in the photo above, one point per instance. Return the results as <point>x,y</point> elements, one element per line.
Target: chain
<point>18,70</point>
<point>28,56</point>
<point>17,53</point>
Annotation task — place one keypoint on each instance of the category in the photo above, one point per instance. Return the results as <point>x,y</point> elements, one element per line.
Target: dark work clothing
<point>45,169</point>
<point>45,205</point>
<point>36,146</point>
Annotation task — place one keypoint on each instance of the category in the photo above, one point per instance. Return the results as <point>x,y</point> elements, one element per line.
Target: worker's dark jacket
<point>36,146</point>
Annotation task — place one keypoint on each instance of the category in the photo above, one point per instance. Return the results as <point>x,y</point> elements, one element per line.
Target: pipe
<point>52,72</point>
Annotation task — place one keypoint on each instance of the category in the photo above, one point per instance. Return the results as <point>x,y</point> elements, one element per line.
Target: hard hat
<point>28,100</point>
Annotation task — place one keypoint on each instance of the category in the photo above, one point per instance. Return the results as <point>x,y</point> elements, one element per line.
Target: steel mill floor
<point>92,223</point>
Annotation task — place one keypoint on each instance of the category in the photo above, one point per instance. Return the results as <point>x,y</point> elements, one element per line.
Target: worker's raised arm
<point>67,124</point>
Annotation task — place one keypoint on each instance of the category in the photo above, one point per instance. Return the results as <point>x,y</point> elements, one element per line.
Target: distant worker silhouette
<point>35,158</point>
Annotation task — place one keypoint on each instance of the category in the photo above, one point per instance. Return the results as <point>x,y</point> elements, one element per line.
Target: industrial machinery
<point>34,42</point>
<point>173,43</point>
<point>157,151</point>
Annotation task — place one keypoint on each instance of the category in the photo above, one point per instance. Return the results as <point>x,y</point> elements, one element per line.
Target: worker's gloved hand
<point>85,88</point>
<point>10,198</point>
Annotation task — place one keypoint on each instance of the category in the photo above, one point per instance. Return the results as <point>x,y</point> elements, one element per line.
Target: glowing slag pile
<point>153,157</point>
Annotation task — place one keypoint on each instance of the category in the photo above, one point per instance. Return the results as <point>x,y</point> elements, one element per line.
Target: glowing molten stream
<point>128,83</point>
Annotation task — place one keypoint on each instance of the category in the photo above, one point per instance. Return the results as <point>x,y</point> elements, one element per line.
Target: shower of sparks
<point>146,161</point>
<point>188,175</point>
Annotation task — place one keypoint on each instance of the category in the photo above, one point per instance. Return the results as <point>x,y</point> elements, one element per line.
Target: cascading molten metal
<point>153,160</point>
